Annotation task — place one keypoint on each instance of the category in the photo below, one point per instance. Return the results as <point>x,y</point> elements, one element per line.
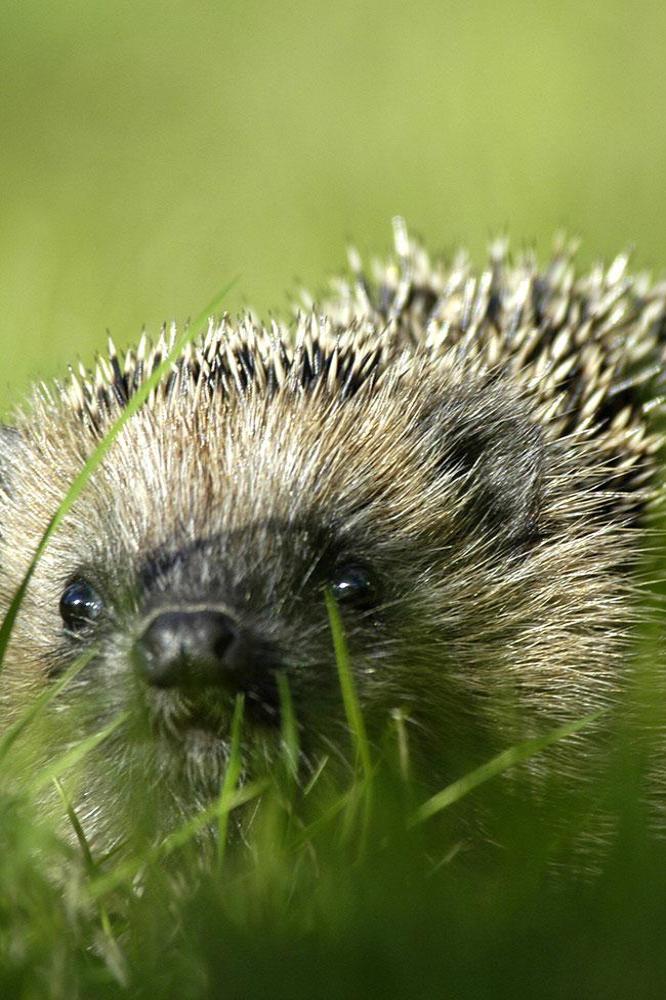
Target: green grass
<point>321,898</point>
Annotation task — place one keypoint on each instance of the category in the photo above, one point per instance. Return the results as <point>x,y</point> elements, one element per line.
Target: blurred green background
<point>150,152</point>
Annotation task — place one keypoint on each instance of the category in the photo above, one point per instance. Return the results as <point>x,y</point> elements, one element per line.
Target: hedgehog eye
<point>80,605</point>
<point>353,586</point>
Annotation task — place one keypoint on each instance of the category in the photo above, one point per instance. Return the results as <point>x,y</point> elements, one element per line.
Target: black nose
<point>185,648</point>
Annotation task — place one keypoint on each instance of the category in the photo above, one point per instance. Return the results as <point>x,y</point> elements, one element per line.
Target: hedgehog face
<point>424,495</point>
<point>196,564</point>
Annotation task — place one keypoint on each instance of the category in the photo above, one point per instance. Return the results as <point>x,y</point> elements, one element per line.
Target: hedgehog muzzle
<point>195,648</point>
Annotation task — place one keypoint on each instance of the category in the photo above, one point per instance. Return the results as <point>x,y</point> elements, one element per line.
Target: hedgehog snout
<point>192,648</point>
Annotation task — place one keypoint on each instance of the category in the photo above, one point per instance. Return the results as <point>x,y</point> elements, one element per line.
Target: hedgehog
<point>463,458</point>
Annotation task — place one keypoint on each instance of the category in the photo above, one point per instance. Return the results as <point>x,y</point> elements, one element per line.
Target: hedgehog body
<point>463,458</point>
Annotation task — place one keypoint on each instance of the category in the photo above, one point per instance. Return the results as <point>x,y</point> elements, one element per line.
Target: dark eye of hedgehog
<point>80,605</point>
<point>353,585</point>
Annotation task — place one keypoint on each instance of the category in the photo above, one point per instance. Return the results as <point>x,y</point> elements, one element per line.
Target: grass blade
<point>75,823</point>
<point>229,782</point>
<point>289,728</point>
<point>114,956</point>
<point>398,718</point>
<point>348,688</point>
<point>502,762</point>
<point>13,731</point>
<point>126,871</point>
<point>73,755</point>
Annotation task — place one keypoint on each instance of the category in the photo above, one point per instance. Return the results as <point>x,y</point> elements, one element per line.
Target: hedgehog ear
<point>10,439</point>
<point>502,460</point>
<point>510,472</point>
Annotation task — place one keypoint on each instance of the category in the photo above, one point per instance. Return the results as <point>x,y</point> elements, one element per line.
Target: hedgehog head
<point>466,539</point>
